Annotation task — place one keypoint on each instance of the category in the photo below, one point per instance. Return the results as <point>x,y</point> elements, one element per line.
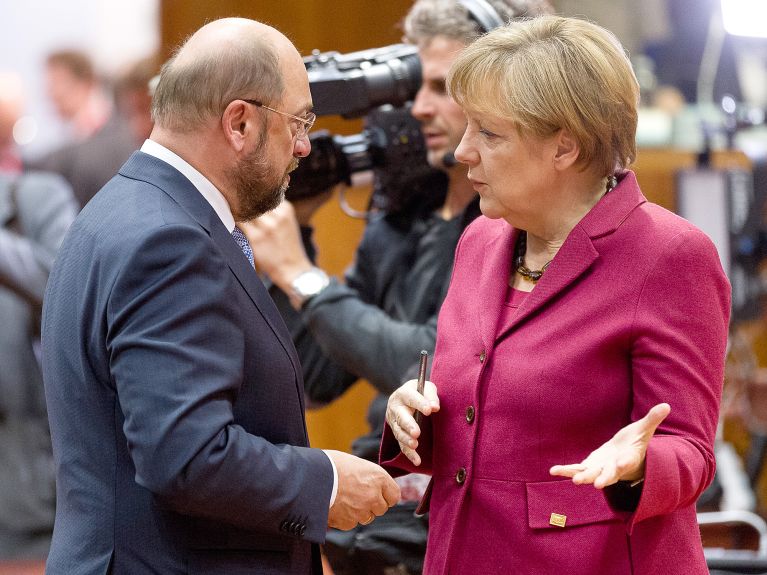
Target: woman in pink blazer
<point>580,350</point>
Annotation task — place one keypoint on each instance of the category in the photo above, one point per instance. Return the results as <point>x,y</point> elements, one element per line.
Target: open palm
<point>622,458</point>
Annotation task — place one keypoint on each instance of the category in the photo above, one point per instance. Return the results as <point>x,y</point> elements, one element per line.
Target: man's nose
<point>302,146</point>
<point>423,107</point>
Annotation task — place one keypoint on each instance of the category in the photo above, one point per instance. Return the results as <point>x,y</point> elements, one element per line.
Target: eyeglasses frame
<point>305,123</point>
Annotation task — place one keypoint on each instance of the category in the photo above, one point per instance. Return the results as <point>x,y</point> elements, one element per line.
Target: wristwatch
<point>308,284</point>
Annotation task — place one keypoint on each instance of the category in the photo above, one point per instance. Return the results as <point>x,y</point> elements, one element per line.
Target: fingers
<point>588,475</point>
<point>365,491</point>
<point>600,474</point>
<point>404,402</point>
<point>411,454</point>
<point>403,424</point>
<point>607,476</point>
<point>426,403</point>
<point>391,493</point>
<point>655,417</point>
<point>567,470</point>
<point>430,394</point>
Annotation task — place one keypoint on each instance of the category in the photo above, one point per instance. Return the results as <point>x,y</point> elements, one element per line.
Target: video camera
<point>355,83</point>
<point>378,83</point>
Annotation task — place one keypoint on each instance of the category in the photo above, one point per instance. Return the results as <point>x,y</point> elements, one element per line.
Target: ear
<point>567,150</point>
<point>238,118</point>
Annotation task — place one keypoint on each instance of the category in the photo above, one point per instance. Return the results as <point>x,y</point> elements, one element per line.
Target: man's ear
<point>236,120</point>
<point>567,150</point>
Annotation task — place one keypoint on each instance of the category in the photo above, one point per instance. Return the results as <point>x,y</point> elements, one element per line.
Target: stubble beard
<point>257,188</point>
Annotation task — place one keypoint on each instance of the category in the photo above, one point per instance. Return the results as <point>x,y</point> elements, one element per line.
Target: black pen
<point>421,381</point>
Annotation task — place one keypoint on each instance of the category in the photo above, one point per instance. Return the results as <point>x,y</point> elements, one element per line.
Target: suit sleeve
<point>176,347</point>
<point>678,353</point>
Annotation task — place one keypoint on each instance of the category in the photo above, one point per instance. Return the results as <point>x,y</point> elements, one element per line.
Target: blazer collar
<point>575,257</point>
<point>147,168</point>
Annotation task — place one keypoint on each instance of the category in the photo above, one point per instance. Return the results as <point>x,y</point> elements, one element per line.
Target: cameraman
<point>375,325</point>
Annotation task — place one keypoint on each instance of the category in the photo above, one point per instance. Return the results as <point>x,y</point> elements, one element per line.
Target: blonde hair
<point>550,73</point>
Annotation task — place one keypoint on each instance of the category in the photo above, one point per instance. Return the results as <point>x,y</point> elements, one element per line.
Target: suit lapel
<point>147,168</point>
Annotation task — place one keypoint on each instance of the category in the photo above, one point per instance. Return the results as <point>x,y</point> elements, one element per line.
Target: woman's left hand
<point>620,459</point>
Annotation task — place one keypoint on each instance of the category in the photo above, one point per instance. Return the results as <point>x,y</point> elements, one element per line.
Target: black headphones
<point>483,14</point>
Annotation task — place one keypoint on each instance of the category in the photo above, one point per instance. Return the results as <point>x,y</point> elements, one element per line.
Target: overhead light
<point>745,17</point>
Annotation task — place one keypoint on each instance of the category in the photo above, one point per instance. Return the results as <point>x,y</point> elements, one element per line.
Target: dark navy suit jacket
<point>174,394</point>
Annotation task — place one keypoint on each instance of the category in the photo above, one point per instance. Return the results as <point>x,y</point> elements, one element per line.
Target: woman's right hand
<point>403,403</point>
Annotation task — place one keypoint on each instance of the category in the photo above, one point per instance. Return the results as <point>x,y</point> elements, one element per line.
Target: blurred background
<point>73,77</point>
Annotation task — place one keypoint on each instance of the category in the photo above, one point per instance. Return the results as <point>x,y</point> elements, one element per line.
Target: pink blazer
<point>633,311</point>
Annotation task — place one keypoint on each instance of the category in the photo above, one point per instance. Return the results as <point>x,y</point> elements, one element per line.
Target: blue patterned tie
<point>242,241</point>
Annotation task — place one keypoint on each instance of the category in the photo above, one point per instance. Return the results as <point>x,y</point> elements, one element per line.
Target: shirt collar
<point>213,196</point>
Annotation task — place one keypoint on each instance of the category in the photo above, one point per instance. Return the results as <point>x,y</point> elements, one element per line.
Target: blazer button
<point>470,414</point>
<point>460,476</point>
<point>482,356</point>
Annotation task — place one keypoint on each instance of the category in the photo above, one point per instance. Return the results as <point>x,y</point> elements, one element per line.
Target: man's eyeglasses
<point>304,124</point>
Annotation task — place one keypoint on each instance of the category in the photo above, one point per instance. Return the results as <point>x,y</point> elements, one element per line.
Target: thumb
<point>655,417</point>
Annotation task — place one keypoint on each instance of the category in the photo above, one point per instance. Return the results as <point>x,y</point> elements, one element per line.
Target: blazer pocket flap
<point>561,504</point>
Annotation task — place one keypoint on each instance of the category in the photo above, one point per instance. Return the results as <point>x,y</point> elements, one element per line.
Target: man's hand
<point>403,403</point>
<point>620,459</point>
<point>277,247</point>
<point>365,491</point>
<point>305,208</point>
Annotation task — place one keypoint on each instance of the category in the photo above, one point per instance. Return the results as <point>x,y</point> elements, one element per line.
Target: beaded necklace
<point>521,248</point>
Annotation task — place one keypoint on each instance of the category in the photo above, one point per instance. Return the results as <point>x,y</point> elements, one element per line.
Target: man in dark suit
<point>174,391</point>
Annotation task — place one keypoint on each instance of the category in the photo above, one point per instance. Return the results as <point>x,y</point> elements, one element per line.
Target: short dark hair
<point>77,62</point>
<point>429,18</point>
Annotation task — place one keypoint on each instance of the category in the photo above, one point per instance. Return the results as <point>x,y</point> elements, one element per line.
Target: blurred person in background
<point>76,93</point>
<point>11,108</point>
<point>90,163</point>
<point>375,325</point>
<point>576,313</point>
<point>36,210</point>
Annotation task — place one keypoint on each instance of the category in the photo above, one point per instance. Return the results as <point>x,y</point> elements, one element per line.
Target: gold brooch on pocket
<point>557,520</point>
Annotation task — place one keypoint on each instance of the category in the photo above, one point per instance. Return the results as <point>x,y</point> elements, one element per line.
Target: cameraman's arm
<point>361,336</point>
<point>45,208</point>
<point>344,319</point>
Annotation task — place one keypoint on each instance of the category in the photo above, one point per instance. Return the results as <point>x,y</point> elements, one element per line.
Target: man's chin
<point>436,158</point>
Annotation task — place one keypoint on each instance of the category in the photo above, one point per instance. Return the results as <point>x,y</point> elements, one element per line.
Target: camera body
<point>391,145</point>
<point>379,83</point>
<point>353,84</point>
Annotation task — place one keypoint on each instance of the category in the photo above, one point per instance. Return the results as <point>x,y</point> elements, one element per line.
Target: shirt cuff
<point>335,481</point>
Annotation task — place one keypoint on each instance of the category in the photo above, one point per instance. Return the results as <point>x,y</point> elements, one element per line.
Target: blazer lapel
<point>575,256</point>
<point>494,281</point>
